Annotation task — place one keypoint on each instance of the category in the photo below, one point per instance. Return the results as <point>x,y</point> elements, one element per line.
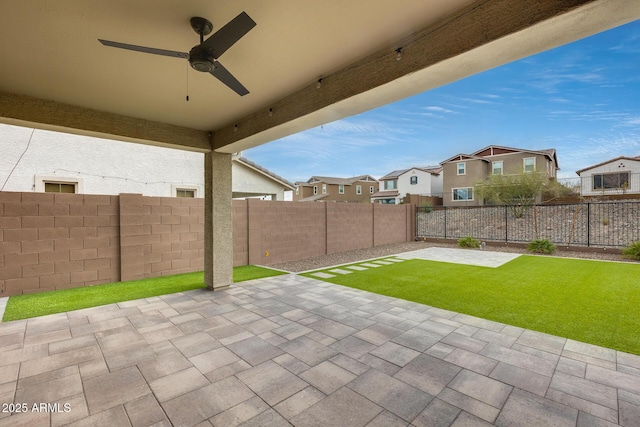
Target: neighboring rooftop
<point>266,171</point>
<point>434,170</point>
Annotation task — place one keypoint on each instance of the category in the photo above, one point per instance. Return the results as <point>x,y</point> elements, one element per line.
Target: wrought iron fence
<point>608,224</point>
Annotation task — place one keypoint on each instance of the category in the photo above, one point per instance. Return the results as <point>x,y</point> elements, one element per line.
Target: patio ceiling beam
<point>28,111</point>
<point>485,34</point>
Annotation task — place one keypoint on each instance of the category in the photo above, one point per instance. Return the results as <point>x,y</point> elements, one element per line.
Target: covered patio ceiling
<point>56,75</point>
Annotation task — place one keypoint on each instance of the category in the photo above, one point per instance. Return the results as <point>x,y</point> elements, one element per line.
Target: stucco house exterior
<point>331,189</point>
<point>394,186</point>
<point>463,171</point>
<point>620,175</point>
<point>45,161</point>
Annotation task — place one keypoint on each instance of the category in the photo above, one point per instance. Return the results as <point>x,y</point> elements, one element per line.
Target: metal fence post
<point>588,224</point>
<point>506,224</point>
<point>445,222</point>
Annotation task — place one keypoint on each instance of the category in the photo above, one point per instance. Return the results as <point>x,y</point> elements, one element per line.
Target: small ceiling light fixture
<point>319,84</point>
<point>398,54</point>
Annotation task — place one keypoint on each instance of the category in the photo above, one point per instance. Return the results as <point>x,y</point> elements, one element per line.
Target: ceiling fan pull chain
<point>187,82</point>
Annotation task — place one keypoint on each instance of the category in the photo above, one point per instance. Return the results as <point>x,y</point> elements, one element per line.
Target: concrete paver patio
<point>294,350</point>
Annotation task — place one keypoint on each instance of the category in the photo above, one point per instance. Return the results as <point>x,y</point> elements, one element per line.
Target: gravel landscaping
<point>396,248</point>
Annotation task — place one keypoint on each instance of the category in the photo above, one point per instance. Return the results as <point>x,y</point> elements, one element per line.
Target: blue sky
<point>583,99</point>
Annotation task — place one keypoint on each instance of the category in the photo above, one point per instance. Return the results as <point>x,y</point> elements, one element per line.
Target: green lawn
<point>33,305</point>
<point>591,301</point>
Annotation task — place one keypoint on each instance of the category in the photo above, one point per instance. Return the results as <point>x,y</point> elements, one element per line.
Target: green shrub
<point>426,207</point>
<point>541,246</point>
<point>632,251</point>
<point>468,242</point>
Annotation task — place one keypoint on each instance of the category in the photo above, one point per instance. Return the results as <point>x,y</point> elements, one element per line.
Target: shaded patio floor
<point>293,350</point>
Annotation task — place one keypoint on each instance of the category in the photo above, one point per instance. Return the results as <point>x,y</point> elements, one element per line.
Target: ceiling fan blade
<point>222,74</point>
<point>171,53</point>
<point>226,36</point>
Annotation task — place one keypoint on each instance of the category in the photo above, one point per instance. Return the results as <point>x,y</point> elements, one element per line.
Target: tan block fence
<point>57,241</point>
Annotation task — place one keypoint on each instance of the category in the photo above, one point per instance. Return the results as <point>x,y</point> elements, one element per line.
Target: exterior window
<point>461,194</point>
<point>358,189</point>
<point>529,164</point>
<point>388,201</point>
<point>340,188</point>
<point>59,187</point>
<point>414,180</point>
<point>391,184</point>
<point>462,168</point>
<point>371,190</point>
<point>605,181</point>
<point>297,191</point>
<point>315,190</point>
<point>184,192</point>
<point>324,188</point>
<point>496,168</point>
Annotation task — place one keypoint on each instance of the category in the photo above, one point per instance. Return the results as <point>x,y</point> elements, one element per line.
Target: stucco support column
<point>218,226</point>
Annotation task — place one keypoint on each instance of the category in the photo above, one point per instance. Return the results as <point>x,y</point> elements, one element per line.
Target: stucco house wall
<point>100,166</point>
<point>614,166</point>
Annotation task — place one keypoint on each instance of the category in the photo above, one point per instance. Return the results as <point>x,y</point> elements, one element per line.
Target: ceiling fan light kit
<point>204,56</point>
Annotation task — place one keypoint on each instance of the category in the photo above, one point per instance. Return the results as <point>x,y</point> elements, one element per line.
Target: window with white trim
<point>461,168</point>
<point>603,181</point>
<point>496,168</point>
<point>315,190</point>
<point>358,189</point>
<point>297,191</point>
<point>340,188</point>
<point>324,188</point>
<point>186,192</point>
<point>391,184</point>
<point>371,190</point>
<point>462,194</point>
<point>58,184</point>
<point>60,187</point>
<point>529,164</point>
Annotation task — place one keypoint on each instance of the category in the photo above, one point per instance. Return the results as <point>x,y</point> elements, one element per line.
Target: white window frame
<point>453,194</point>
<point>524,164</point>
<point>358,189</point>
<point>371,190</point>
<point>190,187</point>
<point>493,167</point>
<point>391,187</point>
<point>340,188</point>
<point>464,168</point>
<point>315,190</point>
<point>41,180</point>
<point>297,191</point>
<point>324,188</point>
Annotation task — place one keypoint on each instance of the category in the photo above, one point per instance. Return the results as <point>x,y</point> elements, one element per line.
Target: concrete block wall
<point>391,224</point>
<point>160,236</point>
<point>285,231</point>
<point>240,214</point>
<point>57,241</point>
<point>349,226</point>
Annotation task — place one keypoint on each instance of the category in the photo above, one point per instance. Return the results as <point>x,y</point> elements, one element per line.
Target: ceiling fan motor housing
<point>201,60</point>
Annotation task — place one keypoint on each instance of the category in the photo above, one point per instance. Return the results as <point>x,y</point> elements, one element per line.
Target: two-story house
<point>462,172</point>
<point>616,176</point>
<point>356,189</point>
<point>394,186</point>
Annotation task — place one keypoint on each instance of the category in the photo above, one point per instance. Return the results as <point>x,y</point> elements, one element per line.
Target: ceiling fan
<point>204,57</point>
